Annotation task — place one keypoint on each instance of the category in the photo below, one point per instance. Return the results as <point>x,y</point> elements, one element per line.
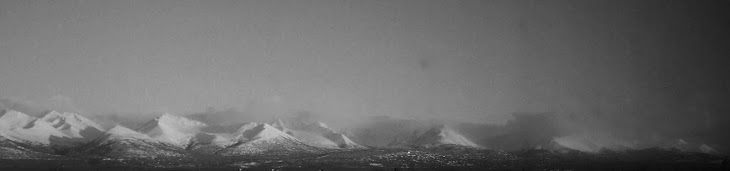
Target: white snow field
<point>172,129</point>
<point>20,127</point>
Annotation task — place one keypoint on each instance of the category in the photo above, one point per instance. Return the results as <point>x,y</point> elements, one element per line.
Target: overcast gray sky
<point>469,60</point>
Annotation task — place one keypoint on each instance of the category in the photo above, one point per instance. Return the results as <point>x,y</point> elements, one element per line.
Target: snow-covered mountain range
<point>52,130</point>
<point>164,136</point>
<point>25,136</point>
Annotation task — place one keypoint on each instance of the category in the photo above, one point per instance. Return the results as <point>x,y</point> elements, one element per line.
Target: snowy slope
<point>343,142</point>
<point>261,131</point>
<point>704,148</point>
<point>122,142</point>
<point>279,124</point>
<point>210,143</point>
<point>74,125</point>
<point>214,138</point>
<point>587,143</point>
<point>315,133</point>
<point>443,135</point>
<point>254,138</point>
<point>573,143</point>
<point>20,127</point>
<point>14,119</point>
<point>175,130</point>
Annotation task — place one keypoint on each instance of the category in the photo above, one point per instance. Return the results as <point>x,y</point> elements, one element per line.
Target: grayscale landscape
<point>364,85</point>
<point>71,141</point>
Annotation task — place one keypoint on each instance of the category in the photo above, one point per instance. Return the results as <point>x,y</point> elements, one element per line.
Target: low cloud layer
<point>57,103</point>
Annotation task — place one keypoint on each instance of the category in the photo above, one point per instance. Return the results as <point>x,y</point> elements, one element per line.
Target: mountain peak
<point>54,116</point>
<point>441,135</point>
<point>22,127</point>
<point>260,137</point>
<point>74,125</point>
<point>51,114</point>
<point>264,131</point>
<point>314,133</point>
<point>173,129</point>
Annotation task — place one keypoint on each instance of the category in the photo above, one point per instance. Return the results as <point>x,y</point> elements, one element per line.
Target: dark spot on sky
<point>424,63</point>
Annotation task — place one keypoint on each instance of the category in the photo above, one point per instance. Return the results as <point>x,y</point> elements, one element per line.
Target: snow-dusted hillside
<point>682,145</point>
<point>23,128</point>
<point>315,133</point>
<point>594,143</point>
<point>256,138</point>
<point>172,129</point>
<point>588,143</point>
<point>443,135</point>
<point>122,142</point>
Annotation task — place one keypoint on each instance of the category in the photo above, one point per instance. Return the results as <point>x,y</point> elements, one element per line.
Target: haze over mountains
<point>377,74</point>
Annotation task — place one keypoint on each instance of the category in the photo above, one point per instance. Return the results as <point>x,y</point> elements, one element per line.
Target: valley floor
<point>403,159</point>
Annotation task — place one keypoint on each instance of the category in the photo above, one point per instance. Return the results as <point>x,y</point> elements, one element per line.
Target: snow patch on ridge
<point>74,125</point>
<point>315,133</point>
<point>120,132</point>
<point>682,145</point>
<point>443,135</point>
<point>261,131</point>
<point>172,129</point>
